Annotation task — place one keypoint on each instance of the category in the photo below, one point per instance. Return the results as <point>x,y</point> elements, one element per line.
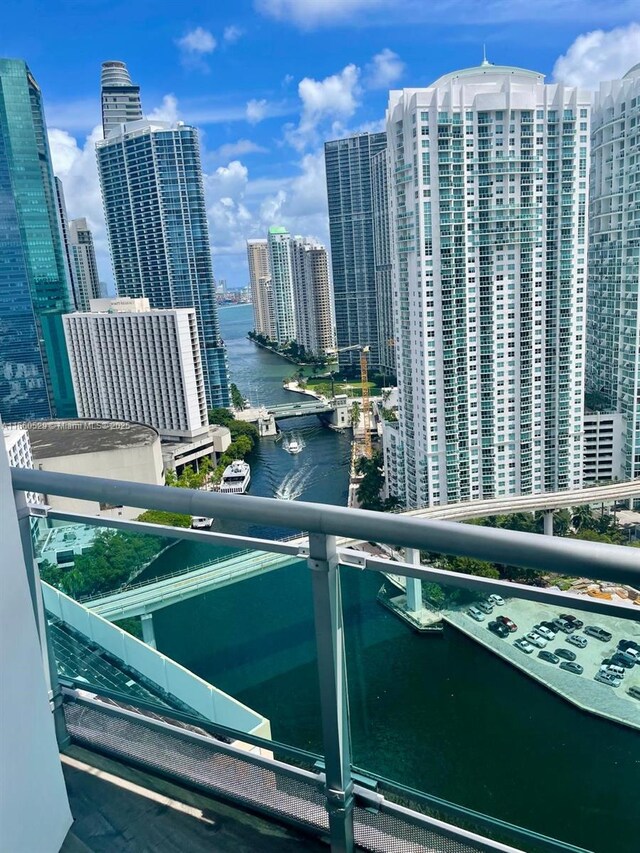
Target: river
<point>442,715</point>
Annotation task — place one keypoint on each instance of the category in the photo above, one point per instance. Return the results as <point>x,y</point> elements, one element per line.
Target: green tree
<point>236,397</point>
<point>355,414</point>
<point>582,517</point>
<point>170,519</point>
<point>221,417</point>
<point>372,482</point>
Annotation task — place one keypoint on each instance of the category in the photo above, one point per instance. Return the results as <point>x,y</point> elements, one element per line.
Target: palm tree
<point>581,517</point>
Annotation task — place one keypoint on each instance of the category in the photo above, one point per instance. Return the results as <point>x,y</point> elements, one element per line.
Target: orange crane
<point>363,349</point>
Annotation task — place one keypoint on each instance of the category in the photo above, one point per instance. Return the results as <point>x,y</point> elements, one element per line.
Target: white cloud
<point>598,56</point>
<point>256,110</point>
<point>76,167</point>
<point>198,41</point>
<point>334,98</point>
<point>167,111</point>
<point>232,34</point>
<point>239,208</point>
<point>384,69</point>
<point>236,149</point>
<point>308,14</point>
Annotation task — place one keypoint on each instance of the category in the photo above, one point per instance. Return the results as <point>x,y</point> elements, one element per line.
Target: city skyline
<point>262,141</point>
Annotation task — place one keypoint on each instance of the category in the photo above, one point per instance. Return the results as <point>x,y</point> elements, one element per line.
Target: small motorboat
<point>201,522</point>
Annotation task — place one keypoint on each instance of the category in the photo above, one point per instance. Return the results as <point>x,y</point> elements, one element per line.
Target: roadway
<point>530,503</point>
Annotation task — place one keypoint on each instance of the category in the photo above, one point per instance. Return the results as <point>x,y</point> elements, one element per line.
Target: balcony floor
<point>118,809</point>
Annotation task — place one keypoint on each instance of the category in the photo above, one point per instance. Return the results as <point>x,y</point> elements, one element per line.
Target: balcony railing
<point>327,794</point>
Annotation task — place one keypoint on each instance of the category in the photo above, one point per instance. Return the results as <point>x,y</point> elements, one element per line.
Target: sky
<point>268,81</point>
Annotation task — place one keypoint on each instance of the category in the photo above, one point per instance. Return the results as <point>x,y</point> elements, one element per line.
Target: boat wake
<point>294,484</point>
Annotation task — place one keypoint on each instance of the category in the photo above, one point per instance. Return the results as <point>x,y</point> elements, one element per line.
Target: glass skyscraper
<point>35,378</point>
<point>488,194</point>
<point>350,197</point>
<point>156,218</point>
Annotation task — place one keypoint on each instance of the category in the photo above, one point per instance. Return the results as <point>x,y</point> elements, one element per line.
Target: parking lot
<point>582,690</point>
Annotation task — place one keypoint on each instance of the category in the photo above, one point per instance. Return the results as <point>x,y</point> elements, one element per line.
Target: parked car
<point>544,632</point>
<point>567,654</point>
<point>634,691</point>
<point>620,659</point>
<point>606,678</point>
<point>524,646</point>
<point>551,626</point>
<point>494,598</point>
<point>564,626</point>
<point>475,614</point>
<point>598,633</point>
<point>577,640</point>
<point>535,638</point>
<point>498,628</point>
<point>570,666</point>
<point>548,656</point>
<point>485,606</point>
<point>625,645</point>
<point>568,617</point>
<point>629,655</point>
<point>511,625</point>
<point>612,669</point>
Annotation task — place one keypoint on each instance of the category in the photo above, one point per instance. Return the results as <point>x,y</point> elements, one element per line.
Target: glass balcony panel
<point>464,716</point>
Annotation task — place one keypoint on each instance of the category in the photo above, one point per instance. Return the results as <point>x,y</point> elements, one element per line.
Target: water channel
<point>441,715</point>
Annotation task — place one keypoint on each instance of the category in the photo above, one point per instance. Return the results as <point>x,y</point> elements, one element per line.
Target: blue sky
<point>267,81</point>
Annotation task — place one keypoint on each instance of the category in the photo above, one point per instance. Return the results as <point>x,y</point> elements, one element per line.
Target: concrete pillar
<point>148,634</point>
<point>548,523</point>
<point>414,586</point>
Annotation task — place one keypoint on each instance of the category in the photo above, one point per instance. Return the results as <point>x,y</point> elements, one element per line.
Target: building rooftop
<point>277,229</point>
<point>486,71</point>
<point>73,437</point>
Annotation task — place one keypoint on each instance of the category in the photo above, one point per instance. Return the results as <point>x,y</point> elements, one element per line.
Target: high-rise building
<point>64,232</point>
<point>350,197</point>
<point>281,271</point>
<point>613,291</point>
<point>312,296</point>
<point>35,380</point>
<point>382,261</point>
<point>266,295</point>
<point>120,97</point>
<point>85,268</point>
<point>156,219</point>
<point>132,363</point>
<point>488,203</point>
<point>258,259</point>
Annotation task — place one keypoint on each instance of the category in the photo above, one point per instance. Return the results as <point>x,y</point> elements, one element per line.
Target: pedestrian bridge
<point>144,598</point>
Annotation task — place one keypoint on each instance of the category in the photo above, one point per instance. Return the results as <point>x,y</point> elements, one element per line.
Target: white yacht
<point>292,444</point>
<point>201,522</point>
<point>236,478</point>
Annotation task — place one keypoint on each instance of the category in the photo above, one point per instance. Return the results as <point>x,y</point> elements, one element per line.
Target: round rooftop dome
<point>487,71</point>
<point>633,72</point>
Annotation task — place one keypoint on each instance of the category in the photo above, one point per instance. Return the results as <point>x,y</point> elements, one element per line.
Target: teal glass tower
<point>35,379</point>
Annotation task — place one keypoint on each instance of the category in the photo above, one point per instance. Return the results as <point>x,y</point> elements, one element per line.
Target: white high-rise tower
<point>613,314</point>
<point>488,202</point>
<point>120,97</point>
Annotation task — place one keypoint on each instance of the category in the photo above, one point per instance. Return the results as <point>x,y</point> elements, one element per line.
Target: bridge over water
<point>144,598</point>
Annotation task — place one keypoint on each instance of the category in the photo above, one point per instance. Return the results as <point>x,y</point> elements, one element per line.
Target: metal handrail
<point>528,550</point>
<point>325,524</point>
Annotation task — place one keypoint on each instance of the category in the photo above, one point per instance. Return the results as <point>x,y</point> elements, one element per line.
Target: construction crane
<point>363,349</point>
